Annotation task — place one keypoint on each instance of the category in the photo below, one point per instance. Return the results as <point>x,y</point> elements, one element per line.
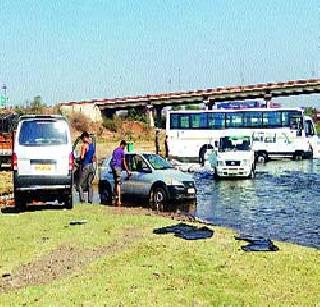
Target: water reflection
<point>281,203</point>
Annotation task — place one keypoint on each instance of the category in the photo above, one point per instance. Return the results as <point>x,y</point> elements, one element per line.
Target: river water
<point>281,203</point>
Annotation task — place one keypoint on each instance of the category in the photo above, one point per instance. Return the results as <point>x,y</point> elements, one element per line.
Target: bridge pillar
<point>210,104</point>
<point>149,113</point>
<point>159,116</point>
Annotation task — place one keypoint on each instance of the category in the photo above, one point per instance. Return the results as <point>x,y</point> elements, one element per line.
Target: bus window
<point>271,119</point>
<point>174,121</point>
<point>285,119</point>
<point>234,120</point>
<point>179,121</point>
<point>216,120</point>
<point>199,121</point>
<point>252,119</point>
<point>184,121</point>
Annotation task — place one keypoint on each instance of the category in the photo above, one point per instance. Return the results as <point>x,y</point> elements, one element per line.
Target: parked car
<point>43,161</point>
<point>233,156</point>
<point>152,178</point>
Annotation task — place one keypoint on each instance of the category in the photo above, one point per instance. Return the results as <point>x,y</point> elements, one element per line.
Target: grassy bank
<point>115,260</point>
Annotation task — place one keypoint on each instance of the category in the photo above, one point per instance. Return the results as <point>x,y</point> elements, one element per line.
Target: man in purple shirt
<point>117,162</point>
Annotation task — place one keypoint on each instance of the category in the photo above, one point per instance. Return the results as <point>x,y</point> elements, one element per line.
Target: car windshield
<point>157,162</point>
<point>234,143</point>
<point>43,133</point>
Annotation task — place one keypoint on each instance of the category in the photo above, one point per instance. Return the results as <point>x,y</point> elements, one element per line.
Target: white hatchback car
<point>152,178</point>
<point>42,161</point>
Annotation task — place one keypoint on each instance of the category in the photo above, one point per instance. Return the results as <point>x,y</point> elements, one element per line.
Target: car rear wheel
<point>106,195</point>
<point>159,199</point>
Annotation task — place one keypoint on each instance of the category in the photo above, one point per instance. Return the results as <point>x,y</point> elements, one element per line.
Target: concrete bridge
<point>149,103</point>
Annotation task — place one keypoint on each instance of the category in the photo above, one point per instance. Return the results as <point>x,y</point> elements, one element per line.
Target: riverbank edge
<point>204,272</point>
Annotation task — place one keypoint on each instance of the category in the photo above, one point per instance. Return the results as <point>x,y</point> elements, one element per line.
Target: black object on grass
<point>81,222</point>
<point>257,244</point>
<point>186,232</point>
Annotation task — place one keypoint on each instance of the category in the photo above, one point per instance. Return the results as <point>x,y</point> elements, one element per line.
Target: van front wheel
<point>20,201</point>
<point>68,203</point>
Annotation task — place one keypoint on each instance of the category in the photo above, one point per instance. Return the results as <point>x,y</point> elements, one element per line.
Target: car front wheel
<point>159,199</point>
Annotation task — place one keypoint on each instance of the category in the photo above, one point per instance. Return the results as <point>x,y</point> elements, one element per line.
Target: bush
<point>112,124</point>
<point>79,121</point>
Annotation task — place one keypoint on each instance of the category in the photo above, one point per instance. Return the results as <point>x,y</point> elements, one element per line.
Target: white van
<point>233,157</point>
<point>43,161</point>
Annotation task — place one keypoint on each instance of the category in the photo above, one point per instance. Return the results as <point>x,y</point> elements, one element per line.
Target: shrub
<point>79,121</point>
<point>112,124</point>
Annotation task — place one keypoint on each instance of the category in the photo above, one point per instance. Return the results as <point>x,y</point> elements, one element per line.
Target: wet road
<point>281,203</point>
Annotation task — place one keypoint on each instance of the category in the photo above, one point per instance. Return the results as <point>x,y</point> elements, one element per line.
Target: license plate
<point>191,191</point>
<point>43,168</point>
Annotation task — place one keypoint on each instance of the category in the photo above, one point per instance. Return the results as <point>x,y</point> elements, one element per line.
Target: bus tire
<point>298,155</point>
<point>262,157</point>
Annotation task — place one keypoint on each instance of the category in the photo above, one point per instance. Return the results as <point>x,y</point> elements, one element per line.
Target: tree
<point>309,111</point>
<point>37,106</point>
<point>192,107</point>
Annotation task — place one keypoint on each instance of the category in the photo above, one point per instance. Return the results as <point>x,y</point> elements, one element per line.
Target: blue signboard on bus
<point>238,105</point>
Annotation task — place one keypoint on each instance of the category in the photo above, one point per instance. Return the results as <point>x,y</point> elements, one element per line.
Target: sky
<point>78,50</point>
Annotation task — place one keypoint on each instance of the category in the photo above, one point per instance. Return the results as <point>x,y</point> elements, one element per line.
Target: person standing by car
<point>87,157</point>
<point>117,162</point>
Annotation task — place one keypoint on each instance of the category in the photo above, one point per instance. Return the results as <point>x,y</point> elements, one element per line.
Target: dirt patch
<point>183,216</point>
<point>62,262</point>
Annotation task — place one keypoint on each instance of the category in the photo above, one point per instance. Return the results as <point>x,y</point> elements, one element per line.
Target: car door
<point>139,183</point>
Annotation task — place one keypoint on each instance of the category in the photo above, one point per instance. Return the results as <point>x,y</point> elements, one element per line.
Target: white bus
<point>276,132</point>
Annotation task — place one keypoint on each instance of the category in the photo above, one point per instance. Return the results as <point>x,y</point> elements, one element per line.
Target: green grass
<point>153,270</point>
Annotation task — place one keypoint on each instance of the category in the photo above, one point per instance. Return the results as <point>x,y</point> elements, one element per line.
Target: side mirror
<point>216,144</point>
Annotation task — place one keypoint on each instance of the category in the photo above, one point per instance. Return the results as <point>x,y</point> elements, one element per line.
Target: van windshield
<point>43,133</point>
<point>234,143</point>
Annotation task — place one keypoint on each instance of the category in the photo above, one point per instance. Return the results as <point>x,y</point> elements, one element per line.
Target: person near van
<point>117,162</point>
<point>87,157</point>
